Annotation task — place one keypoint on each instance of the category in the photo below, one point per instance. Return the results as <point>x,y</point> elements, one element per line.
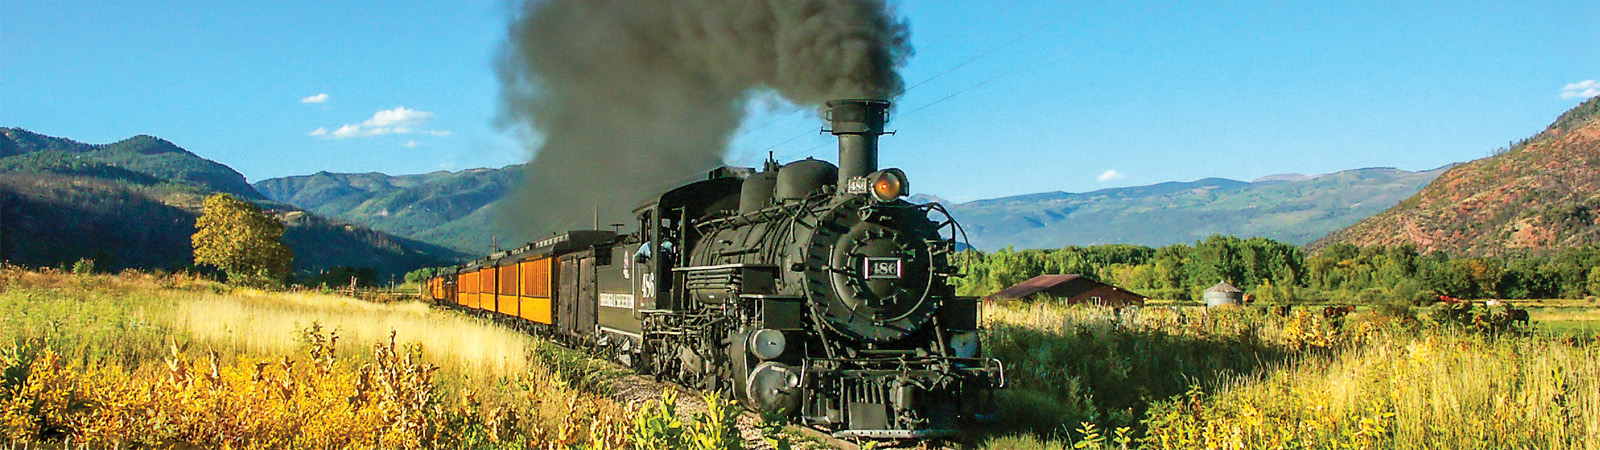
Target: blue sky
<point>1010,96</point>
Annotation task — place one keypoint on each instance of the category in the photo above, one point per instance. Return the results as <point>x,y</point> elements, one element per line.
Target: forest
<point>1276,272</point>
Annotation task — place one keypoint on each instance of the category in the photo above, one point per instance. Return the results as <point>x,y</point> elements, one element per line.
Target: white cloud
<point>398,117</point>
<point>410,144</point>
<point>349,131</point>
<point>319,98</point>
<point>400,120</point>
<point>1581,89</point>
<point>1111,174</point>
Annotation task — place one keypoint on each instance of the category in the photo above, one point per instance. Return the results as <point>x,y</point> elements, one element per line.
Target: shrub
<point>84,266</point>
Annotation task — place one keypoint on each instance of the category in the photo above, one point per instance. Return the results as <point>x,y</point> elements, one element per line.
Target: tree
<point>1594,281</point>
<point>420,275</point>
<point>240,239</point>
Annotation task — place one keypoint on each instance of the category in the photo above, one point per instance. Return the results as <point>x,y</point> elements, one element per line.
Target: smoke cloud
<point>630,98</point>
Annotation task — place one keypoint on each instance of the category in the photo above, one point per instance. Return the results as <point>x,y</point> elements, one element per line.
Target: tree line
<point>1277,272</point>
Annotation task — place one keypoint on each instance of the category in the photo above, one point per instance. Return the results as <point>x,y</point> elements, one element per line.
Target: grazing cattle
<point>1282,310</point>
<point>1338,312</point>
<point>1517,315</point>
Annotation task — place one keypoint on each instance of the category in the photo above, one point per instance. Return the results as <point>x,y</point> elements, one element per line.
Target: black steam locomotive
<point>804,288</point>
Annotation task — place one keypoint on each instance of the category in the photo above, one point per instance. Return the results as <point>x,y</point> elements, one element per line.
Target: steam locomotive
<point>807,289</point>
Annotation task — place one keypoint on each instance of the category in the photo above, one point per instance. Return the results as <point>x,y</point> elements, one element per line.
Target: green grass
<point>1241,379</point>
<point>86,319</point>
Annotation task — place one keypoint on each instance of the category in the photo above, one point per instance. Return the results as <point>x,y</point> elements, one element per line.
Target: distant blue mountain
<point>1291,208</point>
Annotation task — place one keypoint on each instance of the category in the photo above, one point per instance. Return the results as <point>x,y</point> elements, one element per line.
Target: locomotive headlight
<point>964,344</point>
<point>889,184</point>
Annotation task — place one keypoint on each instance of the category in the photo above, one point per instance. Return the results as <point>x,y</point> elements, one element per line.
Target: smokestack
<point>651,92</point>
<point>857,123</point>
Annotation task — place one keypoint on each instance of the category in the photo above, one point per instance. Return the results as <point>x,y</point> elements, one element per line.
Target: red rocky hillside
<point>1542,194</point>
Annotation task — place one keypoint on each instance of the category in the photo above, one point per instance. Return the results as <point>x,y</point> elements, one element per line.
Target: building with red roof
<point>1071,289</point>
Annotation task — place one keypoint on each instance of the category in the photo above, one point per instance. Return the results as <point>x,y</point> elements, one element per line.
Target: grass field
<point>1179,378</point>
<point>141,360</point>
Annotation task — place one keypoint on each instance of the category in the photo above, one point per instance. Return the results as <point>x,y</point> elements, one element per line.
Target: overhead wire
<point>982,55</point>
<point>945,38</point>
<point>1020,67</point>
<point>1027,64</point>
<point>996,48</point>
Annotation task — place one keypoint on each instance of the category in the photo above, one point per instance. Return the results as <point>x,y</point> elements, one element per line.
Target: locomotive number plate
<point>883,268</point>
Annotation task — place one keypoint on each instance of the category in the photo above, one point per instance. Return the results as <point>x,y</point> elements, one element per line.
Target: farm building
<point>1223,294</point>
<point>1071,289</point>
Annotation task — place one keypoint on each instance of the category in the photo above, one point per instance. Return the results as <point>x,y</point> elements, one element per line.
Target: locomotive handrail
<point>772,296</point>
<point>723,266</point>
<point>1002,367</point>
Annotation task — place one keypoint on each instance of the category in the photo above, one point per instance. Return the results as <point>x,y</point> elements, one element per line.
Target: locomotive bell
<point>857,123</point>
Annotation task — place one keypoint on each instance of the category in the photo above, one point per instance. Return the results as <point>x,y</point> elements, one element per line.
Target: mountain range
<point>1540,194</point>
<point>1291,208</point>
<point>133,203</point>
<point>451,209</point>
<point>455,209</point>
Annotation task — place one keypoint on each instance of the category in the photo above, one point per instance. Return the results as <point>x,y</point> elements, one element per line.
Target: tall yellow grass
<point>1438,390</point>
<point>1371,381</point>
<point>271,322</point>
<point>152,360</point>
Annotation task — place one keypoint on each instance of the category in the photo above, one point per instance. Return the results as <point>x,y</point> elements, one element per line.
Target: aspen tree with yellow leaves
<point>243,241</point>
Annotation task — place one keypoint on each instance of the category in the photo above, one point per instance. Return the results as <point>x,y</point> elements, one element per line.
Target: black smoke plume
<point>627,98</point>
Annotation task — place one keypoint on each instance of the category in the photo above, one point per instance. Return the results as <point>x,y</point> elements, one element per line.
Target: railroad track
<point>639,388</point>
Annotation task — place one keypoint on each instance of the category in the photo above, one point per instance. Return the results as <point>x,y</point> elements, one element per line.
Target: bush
<point>84,266</point>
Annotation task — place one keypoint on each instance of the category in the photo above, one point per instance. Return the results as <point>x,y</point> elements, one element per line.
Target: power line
<point>996,48</point>
<point>953,69</point>
<point>970,25</point>
<point>945,38</point>
<point>1027,64</point>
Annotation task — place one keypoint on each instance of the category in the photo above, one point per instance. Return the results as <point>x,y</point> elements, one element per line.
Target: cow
<point>1282,310</point>
<point>1337,312</point>
<point>1515,315</point>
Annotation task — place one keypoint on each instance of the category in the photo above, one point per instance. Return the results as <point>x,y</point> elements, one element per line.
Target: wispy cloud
<point>1109,175</point>
<point>400,120</point>
<point>400,116</point>
<point>319,98</point>
<point>1581,89</point>
<point>350,131</point>
<point>410,144</point>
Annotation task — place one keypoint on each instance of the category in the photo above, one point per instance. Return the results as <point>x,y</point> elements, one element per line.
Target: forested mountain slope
<point>132,204</point>
<point>451,209</point>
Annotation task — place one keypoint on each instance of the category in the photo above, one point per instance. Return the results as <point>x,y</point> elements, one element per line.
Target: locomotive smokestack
<point>857,123</point>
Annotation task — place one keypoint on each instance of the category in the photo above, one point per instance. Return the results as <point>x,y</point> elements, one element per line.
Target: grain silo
<point>1223,294</point>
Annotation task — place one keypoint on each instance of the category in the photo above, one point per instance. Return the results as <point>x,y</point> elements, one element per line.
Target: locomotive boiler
<point>807,289</point>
